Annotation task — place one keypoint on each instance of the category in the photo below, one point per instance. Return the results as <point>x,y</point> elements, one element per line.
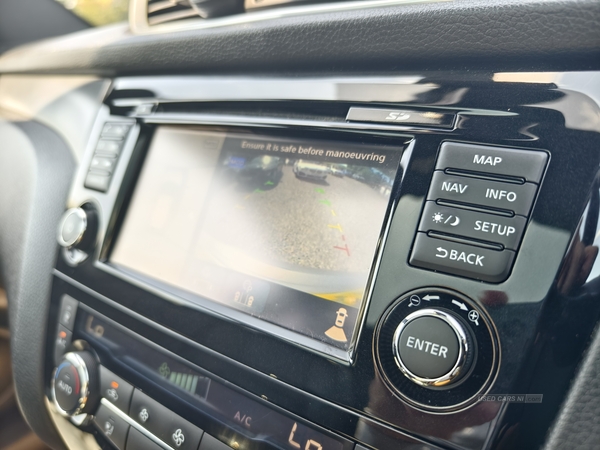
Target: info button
<point>492,194</point>
<point>461,259</point>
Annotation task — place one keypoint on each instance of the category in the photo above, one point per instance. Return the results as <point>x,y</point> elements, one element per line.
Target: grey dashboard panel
<point>47,18</point>
<point>481,33</point>
<point>44,127</point>
<point>66,104</point>
<point>576,426</point>
<point>35,172</point>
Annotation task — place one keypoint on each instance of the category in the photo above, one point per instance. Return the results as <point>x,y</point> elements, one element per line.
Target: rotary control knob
<point>78,228</point>
<point>436,349</point>
<point>432,348</point>
<point>75,384</point>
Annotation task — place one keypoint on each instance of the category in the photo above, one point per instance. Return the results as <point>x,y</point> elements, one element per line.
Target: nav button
<point>461,259</point>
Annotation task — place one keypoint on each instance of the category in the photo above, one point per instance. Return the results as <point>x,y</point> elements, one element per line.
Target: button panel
<point>182,434</point>
<point>490,194</point>
<point>97,181</point>
<point>473,224</point>
<point>150,414</point>
<point>106,155</point>
<point>68,310</point>
<point>477,209</point>
<point>212,443</point>
<point>461,259</point>
<point>112,426</point>
<point>525,164</point>
<point>137,441</point>
<point>115,130</point>
<point>108,147</point>
<point>115,389</point>
<point>64,337</point>
<point>101,163</point>
<point>163,423</point>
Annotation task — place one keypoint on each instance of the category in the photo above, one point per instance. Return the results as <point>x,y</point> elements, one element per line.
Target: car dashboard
<point>350,225</point>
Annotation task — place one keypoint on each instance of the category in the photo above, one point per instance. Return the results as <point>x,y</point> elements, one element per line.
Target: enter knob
<point>432,348</point>
<point>75,384</point>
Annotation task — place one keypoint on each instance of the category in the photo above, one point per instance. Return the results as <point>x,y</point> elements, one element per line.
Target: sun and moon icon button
<point>451,220</point>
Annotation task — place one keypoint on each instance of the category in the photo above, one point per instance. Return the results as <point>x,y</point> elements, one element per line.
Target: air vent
<point>162,16</point>
<point>162,11</point>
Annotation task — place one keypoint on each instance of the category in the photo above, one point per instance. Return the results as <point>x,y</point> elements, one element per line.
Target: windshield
<point>98,12</point>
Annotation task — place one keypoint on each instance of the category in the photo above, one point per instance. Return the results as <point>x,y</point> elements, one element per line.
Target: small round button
<point>431,347</point>
<point>72,227</point>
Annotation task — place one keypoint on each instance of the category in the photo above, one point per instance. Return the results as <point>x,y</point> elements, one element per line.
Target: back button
<point>461,259</point>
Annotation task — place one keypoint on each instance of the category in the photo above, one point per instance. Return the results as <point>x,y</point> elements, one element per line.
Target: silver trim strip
<point>116,411</point>
<point>233,120</point>
<point>138,19</point>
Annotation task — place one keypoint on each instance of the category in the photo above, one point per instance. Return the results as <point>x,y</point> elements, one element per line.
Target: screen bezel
<point>179,296</point>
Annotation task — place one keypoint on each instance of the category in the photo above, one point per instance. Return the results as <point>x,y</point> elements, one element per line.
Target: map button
<point>526,164</point>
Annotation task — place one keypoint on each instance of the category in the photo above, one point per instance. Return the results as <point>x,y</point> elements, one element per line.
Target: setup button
<point>461,259</point>
<point>473,224</point>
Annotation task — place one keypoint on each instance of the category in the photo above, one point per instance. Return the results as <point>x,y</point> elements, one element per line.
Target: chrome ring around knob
<point>83,381</point>
<point>464,347</point>
<point>73,225</point>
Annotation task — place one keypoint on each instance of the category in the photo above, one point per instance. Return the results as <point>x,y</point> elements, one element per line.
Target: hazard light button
<point>461,259</point>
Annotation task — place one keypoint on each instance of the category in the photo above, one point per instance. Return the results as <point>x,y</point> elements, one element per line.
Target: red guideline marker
<point>345,248</point>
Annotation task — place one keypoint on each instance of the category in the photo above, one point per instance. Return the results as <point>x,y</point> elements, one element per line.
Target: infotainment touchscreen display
<point>284,229</point>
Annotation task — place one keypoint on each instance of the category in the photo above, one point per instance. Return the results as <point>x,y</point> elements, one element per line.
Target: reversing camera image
<point>284,230</point>
<point>310,224</point>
